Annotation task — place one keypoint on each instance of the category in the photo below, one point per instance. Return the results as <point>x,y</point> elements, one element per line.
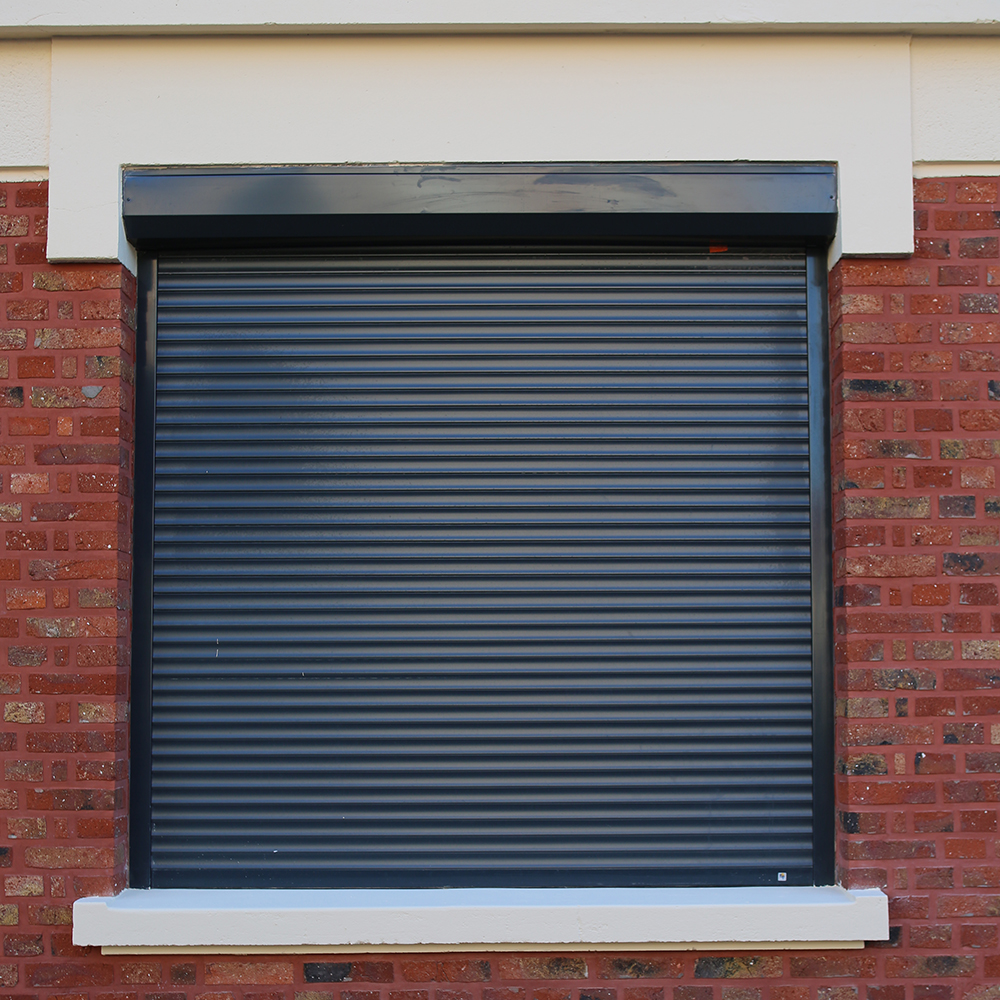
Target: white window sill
<point>332,920</point>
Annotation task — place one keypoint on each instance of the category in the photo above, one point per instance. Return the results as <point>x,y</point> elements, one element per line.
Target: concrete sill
<point>243,921</point>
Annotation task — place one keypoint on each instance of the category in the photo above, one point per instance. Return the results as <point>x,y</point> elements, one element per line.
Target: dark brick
<point>738,967</point>
<point>978,302</point>
<point>661,967</point>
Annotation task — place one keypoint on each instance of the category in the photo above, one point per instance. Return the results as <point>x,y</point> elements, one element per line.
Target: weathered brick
<point>248,973</point>
<point>891,566</point>
<point>945,220</point>
<point>538,967</point>
<point>832,966</point>
<point>889,507</point>
<point>925,966</point>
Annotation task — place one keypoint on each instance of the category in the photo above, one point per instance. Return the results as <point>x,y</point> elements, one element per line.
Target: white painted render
<point>25,70</point>
<point>956,99</point>
<point>484,919</point>
<point>144,16</point>
<point>381,99</point>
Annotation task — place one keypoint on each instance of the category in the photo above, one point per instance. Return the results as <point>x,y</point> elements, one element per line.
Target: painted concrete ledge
<point>479,919</point>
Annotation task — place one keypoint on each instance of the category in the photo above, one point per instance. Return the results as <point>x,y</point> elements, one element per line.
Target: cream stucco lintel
<point>40,17</point>
<point>25,71</point>
<point>967,168</point>
<point>520,946</point>
<point>474,919</point>
<point>329,100</point>
<point>14,174</point>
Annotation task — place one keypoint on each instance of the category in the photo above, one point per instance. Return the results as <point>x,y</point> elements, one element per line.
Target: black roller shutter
<point>482,570</point>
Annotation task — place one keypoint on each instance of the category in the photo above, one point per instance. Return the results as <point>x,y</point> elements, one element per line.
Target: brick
<point>971,791</point>
<point>14,225</point>
<point>930,361</point>
<point>862,303</point>
<point>930,248</point>
<point>872,332</point>
<point>930,936</point>
<point>987,247</point>
<point>934,763</point>
<point>23,885</point>
<point>69,857</point>
<point>50,915</point>
<point>932,822</point>
<point>932,420</point>
<point>832,967</point>
<point>934,649</point>
<point>86,511</point>
<point>74,396</point>
<point>141,972</point>
<point>958,274</point>
<point>73,569</point>
<point>931,594</point>
<point>26,828</point>
<point>978,302</point>
<point>29,482</point>
<point>892,566</point>
<point>959,389</point>
<point>976,191</point>
<point>886,507</point>
<point>79,339</point>
<point>869,477</point>
<point>970,564</point>
<point>927,190</point>
<point>971,678</point>
<point>78,278</point>
<point>248,973</point>
<point>984,761</point>
<point>538,967</point>
<point>978,534</point>
<point>862,272</point>
<point>79,454</point>
<point>985,876</point>
<point>859,651</point>
<point>961,622</point>
<point>22,945</point>
<point>24,712</point>
<point>962,732</point>
<point>881,621</point>
<point>892,448</point>
<point>932,304</point>
<point>658,967</point>
<point>957,506</point>
<point>738,967</point>
<point>979,936</point>
<point>869,389</point>
<point>878,850</point>
<point>866,763</point>
<point>891,792</point>
<point>949,220</point>
<point>70,974</point>
<point>922,967</point>
<point>981,649</point>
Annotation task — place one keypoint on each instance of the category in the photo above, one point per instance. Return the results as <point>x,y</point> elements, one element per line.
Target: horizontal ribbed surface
<point>481,570</point>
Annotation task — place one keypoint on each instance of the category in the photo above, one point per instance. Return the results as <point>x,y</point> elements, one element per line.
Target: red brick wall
<point>917,529</point>
<point>66,373</point>
<point>918,670</point>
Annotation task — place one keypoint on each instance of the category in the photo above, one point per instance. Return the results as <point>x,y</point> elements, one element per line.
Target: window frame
<point>388,206</point>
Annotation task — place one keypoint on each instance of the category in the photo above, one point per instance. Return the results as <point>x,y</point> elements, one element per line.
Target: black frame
<point>613,204</point>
